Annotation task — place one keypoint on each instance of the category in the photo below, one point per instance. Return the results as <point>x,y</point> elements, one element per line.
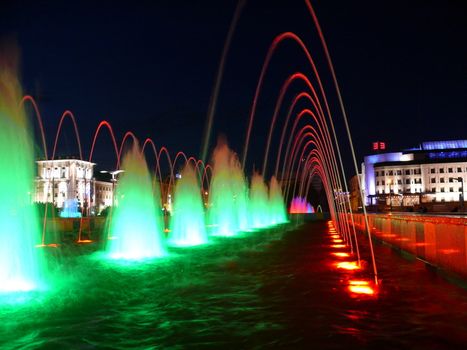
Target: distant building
<point>62,181</point>
<point>430,176</point>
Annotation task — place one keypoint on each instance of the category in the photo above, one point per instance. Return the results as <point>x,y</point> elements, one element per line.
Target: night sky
<point>149,67</point>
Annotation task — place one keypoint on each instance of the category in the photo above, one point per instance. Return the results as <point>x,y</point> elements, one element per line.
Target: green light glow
<point>136,227</point>
<point>21,263</point>
<point>187,220</point>
<point>258,204</point>
<point>227,211</point>
<point>278,211</point>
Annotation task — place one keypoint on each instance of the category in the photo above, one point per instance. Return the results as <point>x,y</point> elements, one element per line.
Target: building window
<point>432,170</point>
<point>433,180</point>
<point>451,189</point>
<point>451,179</point>
<point>407,189</point>
<point>459,169</point>
<point>382,182</point>
<point>459,189</point>
<point>399,172</point>
<point>417,171</point>
<point>442,189</point>
<point>377,183</point>
<point>441,170</point>
<point>377,173</point>
<point>407,181</point>
<point>441,179</point>
<point>407,172</point>
<point>390,173</point>
<point>449,170</point>
<point>399,182</point>
<point>433,189</point>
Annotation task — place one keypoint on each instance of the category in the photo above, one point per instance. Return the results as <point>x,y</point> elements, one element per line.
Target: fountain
<point>300,206</point>
<point>21,263</point>
<point>136,228</point>
<point>259,203</point>
<point>277,209</point>
<point>70,209</point>
<point>187,220</point>
<point>227,211</point>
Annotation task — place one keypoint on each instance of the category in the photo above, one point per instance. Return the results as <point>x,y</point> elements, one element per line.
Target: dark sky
<point>149,67</point>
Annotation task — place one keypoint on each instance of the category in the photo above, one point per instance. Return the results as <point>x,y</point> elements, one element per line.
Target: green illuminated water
<point>21,263</point>
<point>136,227</point>
<point>258,204</point>
<point>277,209</point>
<point>187,222</point>
<point>227,211</point>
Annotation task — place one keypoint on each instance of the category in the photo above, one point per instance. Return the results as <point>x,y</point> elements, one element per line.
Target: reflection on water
<point>264,289</point>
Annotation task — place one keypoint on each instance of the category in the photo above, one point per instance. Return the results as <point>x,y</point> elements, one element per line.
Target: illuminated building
<point>63,180</point>
<point>430,176</point>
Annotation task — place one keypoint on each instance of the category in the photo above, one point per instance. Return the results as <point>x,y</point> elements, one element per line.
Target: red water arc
<point>331,163</point>
<point>75,126</point>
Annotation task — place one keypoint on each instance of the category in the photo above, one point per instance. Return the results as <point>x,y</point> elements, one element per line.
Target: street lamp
<point>113,180</point>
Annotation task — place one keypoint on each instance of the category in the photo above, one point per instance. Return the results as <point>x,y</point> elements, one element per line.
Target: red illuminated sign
<point>379,146</point>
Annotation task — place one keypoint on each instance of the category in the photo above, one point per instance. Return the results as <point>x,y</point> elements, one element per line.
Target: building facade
<point>70,183</point>
<point>429,176</point>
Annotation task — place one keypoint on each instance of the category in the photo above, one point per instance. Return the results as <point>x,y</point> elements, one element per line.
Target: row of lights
<point>355,287</point>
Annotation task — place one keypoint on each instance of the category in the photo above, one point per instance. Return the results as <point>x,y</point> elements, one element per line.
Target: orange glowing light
<point>367,290</point>
<point>348,265</point>
<point>338,246</point>
<point>449,251</point>
<point>358,283</point>
<point>341,254</point>
<point>335,236</point>
<point>337,240</point>
<point>52,245</point>
<point>84,241</point>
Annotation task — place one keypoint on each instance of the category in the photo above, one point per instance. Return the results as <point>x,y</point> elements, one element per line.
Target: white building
<point>63,180</point>
<point>433,173</point>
